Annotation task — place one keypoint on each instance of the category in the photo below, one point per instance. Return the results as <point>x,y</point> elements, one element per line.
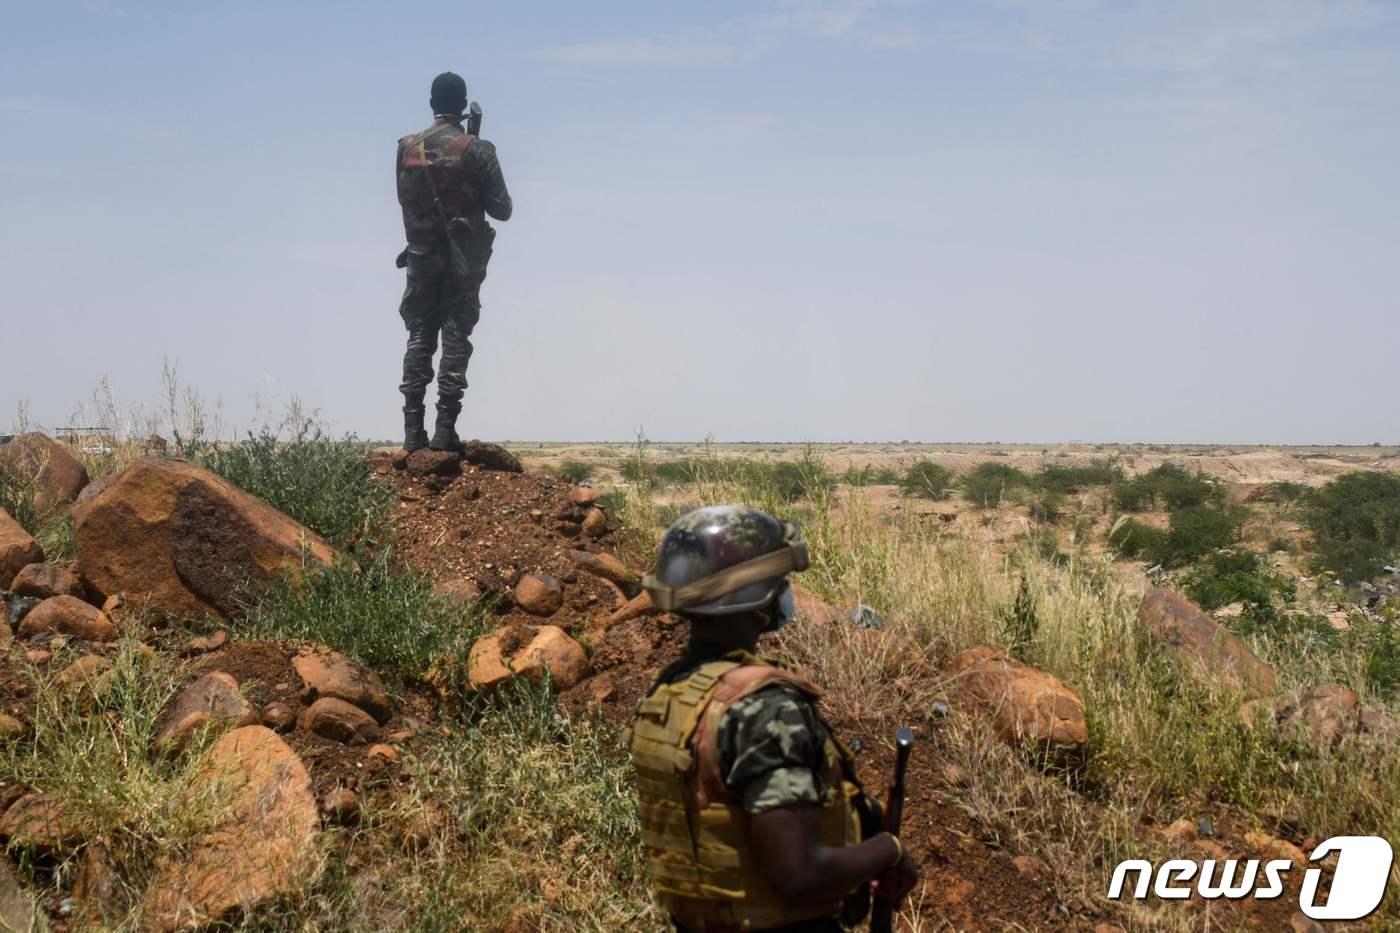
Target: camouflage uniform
<point>770,746</point>
<point>771,755</point>
<point>449,244</point>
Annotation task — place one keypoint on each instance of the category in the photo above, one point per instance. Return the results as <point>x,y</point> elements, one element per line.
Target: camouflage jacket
<point>770,744</point>
<point>465,177</point>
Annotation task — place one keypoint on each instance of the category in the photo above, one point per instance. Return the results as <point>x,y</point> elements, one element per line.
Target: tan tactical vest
<point>696,837</point>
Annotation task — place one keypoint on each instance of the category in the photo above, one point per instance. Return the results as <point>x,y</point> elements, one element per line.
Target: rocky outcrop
<point>326,673</point>
<point>18,549</point>
<point>526,651</point>
<point>262,850</point>
<point>56,474</point>
<point>42,581</point>
<point>180,539</point>
<point>1024,704</point>
<point>68,615</point>
<point>1203,643</point>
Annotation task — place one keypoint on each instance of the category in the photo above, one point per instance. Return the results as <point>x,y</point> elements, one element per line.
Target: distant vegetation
<point>1167,487</point>
<point>928,480</point>
<point>1355,522</point>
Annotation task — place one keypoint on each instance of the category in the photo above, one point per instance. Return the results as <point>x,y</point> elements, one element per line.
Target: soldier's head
<point>724,569</point>
<point>449,94</point>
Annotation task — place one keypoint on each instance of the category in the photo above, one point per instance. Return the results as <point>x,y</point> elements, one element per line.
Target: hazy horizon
<point>783,221</point>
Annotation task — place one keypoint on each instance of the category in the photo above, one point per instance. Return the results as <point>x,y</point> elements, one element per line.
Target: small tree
<point>928,480</point>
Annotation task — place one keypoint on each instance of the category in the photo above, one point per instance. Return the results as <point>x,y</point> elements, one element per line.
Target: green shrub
<point>1168,486</point>
<point>1285,491</point>
<point>927,480</point>
<point>1046,505</point>
<point>1227,577</point>
<point>1192,534</point>
<point>1196,531</point>
<point>988,483</point>
<point>324,483</point>
<point>1098,472</point>
<point>1355,523</point>
<point>575,471</point>
<point>386,618</point>
<point>1134,539</point>
<point>869,475</point>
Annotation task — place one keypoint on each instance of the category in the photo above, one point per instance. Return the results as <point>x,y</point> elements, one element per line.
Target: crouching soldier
<point>751,812</point>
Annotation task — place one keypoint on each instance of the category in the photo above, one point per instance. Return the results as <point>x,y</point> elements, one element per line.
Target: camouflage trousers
<point>438,299</point>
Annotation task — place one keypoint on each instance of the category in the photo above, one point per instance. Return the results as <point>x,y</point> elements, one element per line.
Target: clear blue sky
<point>1016,220</point>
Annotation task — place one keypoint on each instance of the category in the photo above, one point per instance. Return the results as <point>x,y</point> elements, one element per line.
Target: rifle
<point>474,119</point>
<point>882,918</point>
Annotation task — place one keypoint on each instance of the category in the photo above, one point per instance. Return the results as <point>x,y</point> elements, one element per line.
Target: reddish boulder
<point>41,821</point>
<point>595,523</point>
<point>18,549</point>
<point>183,540</point>
<point>1024,704</point>
<point>1203,643</point>
<point>213,697</point>
<point>262,850</point>
<point>340,722</point>
<point>58,476</point>
<point>526,651</point>
<point>331,674</point>
<point>491,457</point>
<point>809,608</point>
<point>1326,714</point>
<point>428,462</point>
<point>44,580</point>
<point>68,615</point>
<point>539,594</point>
<point>583,495</point>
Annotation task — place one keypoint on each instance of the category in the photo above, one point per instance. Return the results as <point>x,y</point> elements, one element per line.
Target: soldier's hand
<point>898,880</point>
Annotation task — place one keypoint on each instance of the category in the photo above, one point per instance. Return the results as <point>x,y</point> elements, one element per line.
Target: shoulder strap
<point>428,174</point>
<point>738,682</point>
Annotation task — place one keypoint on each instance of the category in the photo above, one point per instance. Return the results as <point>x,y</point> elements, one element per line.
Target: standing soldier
<point>448,181</point>
<point>751,812</point>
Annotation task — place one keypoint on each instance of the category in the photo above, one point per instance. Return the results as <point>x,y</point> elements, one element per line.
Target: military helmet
<point>724,559</point>
<point>449,93</point>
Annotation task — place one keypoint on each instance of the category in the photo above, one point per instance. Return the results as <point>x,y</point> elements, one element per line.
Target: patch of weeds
<point>324,483</point>
<point>1355,523</point>
<point>384,617</point>
<point>575,471</point>
<point>928,480</point>
<point>50,527</point>
<point>91,749</point>
<point>987,484</point>
<point>1020,623</point>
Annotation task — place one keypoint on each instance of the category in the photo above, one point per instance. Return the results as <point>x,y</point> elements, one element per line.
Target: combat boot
<point>445,434</point>
<point>415,436</point>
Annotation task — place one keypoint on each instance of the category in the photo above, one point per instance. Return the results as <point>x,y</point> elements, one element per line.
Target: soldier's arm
<point>800,868</point>
<point>771,747</point>
<point>494,196</point>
